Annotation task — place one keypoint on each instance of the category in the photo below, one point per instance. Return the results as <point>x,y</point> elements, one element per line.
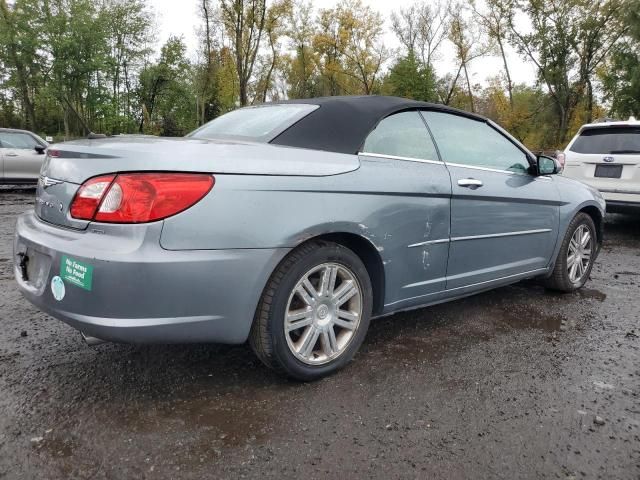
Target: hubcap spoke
<point>309,340</point>
<point>304,295</point>
<point>328,281</point>
<point>344,293</point>
<point>299,318</point>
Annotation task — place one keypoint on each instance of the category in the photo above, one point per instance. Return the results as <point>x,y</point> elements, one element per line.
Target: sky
<point>179,17</point>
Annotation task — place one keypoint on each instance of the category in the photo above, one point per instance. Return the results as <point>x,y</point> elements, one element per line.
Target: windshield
<point>608,140</point>
<point>260,124</point>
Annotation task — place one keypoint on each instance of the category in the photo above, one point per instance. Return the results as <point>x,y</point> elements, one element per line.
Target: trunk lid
<point>70,164</point>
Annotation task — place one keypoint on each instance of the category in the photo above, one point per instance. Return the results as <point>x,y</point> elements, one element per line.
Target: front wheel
<point>576,256</point>
<point>314,312</point>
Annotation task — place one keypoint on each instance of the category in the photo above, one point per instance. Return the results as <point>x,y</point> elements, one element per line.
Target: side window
<point>402,135</point>
<point>17,140</point>
<point>471,142</point>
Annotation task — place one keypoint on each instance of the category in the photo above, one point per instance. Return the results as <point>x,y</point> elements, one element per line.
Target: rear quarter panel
<point>389,203</point>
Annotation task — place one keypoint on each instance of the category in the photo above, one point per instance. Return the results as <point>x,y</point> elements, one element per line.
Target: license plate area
<point>36,266</point>
<point>608,171</point>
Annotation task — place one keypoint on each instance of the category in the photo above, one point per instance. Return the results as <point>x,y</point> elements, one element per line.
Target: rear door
<point>504,221</point>
<point>608,158</point>
<point>21,161</point>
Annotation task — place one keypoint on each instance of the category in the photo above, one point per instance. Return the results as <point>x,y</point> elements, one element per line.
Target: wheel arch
<point>598,220</point>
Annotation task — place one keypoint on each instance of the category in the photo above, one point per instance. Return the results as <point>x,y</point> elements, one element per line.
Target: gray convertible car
<point>292,224</point>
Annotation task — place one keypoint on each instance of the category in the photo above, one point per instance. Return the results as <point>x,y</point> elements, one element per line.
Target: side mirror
<point>40,149</point>
<point>547,165</point>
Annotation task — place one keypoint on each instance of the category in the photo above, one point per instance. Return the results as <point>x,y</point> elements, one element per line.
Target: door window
<point>17,140</point>
<point>472,142</point>
<point>401,135</point>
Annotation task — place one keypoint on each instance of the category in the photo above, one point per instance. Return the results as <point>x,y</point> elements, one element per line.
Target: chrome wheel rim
<point>579,253</point>
<point>323,313</point>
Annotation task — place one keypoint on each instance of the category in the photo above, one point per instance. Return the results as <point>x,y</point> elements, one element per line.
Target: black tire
<point>267,337</point>
<point>559,279</point>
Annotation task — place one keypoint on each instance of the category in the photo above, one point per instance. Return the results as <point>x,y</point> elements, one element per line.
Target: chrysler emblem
<point>49,182</point>
<point>608,159</point>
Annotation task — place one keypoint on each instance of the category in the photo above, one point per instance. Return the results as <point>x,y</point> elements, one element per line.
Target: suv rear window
<point>259,124</point>
<point>618,140</point>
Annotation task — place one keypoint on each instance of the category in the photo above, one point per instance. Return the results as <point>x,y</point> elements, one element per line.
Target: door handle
<point>471,183</point>
<point>11,154</point>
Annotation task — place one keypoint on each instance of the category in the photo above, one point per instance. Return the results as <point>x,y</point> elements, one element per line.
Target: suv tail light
<point>561,157</point>
<point>139,197</point>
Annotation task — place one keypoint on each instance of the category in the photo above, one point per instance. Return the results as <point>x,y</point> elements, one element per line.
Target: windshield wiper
<point>624,151</point>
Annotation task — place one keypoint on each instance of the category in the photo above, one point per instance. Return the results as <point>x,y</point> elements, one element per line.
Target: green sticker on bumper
<point>75,272</point>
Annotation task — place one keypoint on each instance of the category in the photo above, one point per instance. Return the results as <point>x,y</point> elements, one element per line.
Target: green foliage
<point>72,66</point>
<point>621,74</point>
<point>408,78</point>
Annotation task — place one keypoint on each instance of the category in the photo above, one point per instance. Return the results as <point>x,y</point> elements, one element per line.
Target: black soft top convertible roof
<point>342,124</point>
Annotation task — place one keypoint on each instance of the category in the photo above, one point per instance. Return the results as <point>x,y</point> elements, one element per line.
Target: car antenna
<point>90,134</point>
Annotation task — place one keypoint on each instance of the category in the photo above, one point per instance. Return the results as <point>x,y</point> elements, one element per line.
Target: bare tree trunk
<point>466,74</point>
<point>507,73</point>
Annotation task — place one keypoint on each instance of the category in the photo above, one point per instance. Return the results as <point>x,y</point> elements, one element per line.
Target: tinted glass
<point>608,140</point>
<point>254,123</point>
<point>17,140</point>
<point>472,142</point>
<point>402,135</point>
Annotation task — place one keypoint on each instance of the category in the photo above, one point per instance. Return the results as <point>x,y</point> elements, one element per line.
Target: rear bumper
<point>620,201</point>
<point>140,292</point>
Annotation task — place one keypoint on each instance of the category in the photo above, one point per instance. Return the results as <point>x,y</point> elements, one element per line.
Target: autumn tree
<point>349,43</point>
<point>422,27</point>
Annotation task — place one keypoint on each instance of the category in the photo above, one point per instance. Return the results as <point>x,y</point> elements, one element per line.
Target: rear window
<point>260,124</point>
<point>618,140</point>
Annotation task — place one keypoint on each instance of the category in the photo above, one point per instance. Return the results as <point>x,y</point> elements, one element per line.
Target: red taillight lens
<point>141,197</point>
<point>561,157</point>
<point>88,197</point>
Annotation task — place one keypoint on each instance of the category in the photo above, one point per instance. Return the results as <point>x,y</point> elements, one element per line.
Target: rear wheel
<point>576,256</point>
<point>314,312</point>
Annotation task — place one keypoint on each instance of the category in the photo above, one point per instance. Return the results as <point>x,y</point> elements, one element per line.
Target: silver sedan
<point>21,156</point>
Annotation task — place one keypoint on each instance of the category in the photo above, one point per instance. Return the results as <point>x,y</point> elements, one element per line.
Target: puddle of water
<point>527,317</point>
<point>58,446</point>
<point>433,333</point>
<point>592,293</point>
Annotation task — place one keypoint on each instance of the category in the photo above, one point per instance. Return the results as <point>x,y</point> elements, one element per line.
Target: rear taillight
<point>139,197</point>
<point>561,157</point>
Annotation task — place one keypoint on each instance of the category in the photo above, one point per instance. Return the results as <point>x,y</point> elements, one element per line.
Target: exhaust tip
<point>91,341</point>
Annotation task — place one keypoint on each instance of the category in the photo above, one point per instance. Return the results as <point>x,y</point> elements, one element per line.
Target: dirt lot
<point>516,383</point>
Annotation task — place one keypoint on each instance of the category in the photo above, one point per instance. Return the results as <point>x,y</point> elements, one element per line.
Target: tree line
<point>69,67</point>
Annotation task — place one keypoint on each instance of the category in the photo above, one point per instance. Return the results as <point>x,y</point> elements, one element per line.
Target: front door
<point>504,220</point>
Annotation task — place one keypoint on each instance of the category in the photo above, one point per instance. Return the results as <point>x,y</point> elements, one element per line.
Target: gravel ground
<point>514,383</point>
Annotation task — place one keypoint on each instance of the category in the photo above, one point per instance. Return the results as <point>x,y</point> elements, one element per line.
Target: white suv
<point>606,156</point>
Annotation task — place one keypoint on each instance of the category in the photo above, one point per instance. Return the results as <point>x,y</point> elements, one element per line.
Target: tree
<point>467,47</point>
<point>166,92</point>
<point>20,37</point>
<point>300,69</point>
<point>422,28</point>
<point>620,74</point>
<point>244,21</point>
<point>494,20</point>
<point>349,43</point>
<point>408,78</point>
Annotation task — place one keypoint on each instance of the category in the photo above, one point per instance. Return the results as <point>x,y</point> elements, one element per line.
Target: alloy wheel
<point>579,253</point>
<point>323,313</point>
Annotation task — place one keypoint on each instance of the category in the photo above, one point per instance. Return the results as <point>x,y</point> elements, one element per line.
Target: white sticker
<point>57,288</point>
